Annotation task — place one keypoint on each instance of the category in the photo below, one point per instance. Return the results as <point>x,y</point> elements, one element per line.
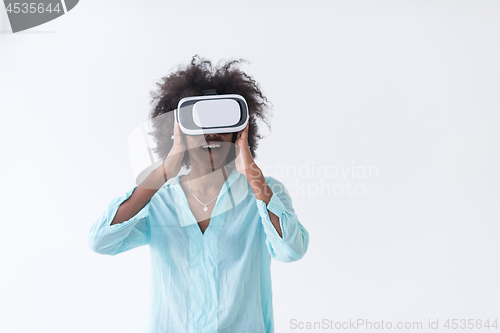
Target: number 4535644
<point>32,7</point>
<point>470,324</point>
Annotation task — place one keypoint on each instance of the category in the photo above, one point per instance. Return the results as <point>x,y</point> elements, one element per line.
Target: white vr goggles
<point>209,114</point>
<point>196,115</point>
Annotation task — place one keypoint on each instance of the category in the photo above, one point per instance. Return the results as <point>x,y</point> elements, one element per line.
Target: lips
<point>212,144</point>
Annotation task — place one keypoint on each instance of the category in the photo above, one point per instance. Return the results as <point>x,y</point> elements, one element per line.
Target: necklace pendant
<point>205,209</point>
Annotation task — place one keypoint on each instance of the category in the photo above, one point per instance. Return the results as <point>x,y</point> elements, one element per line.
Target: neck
<point>204,180</point>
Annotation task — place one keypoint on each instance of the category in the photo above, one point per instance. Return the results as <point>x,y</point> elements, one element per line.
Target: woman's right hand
<point>170,167</point>
<point>154,181</point>
<point>173,162</point>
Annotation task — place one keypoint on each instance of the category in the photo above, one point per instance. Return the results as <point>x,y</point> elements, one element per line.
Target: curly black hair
<point>193,80</point>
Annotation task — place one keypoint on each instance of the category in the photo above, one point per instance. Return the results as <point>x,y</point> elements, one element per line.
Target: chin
<point>217,162</point>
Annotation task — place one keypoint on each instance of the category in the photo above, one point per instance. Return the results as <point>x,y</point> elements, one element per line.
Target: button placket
<point>263,204</point>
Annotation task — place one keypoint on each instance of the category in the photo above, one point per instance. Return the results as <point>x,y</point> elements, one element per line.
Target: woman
<point>212,233</point>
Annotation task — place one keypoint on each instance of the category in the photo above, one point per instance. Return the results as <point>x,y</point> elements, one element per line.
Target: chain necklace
<point>205,208</point>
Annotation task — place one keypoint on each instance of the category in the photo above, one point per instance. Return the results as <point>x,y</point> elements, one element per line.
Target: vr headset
<point>209,114</point>
<point>196,115</point>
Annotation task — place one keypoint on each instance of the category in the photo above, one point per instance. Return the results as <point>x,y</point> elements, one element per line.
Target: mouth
<point>211,146</point>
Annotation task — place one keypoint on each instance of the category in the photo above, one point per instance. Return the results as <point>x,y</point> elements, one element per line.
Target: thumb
<point>236,148</point>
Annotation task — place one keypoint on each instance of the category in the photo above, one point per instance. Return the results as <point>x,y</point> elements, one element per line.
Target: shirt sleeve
<point>104,238</point>
<point>295,241</point>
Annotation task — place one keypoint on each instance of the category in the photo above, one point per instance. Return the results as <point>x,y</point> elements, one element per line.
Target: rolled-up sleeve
<point>104,238</point>
<point>295,241</point>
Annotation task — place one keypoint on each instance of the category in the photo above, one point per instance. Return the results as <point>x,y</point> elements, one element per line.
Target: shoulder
<point>164,194</point>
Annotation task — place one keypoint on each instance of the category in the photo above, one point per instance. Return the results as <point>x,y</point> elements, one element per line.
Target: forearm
<point>140,197</point>
<point>262,191</point>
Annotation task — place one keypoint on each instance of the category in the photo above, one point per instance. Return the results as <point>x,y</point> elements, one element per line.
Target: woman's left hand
<point>244,160</point>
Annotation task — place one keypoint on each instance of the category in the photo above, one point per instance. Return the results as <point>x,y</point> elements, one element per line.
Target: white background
<point>410,87</point>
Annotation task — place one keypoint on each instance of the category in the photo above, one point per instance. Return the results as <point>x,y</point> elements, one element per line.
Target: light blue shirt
<point>219,281</point>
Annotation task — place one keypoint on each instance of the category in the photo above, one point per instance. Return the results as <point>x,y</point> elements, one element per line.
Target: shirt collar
<point>238,192</point>
<point>175,181</point>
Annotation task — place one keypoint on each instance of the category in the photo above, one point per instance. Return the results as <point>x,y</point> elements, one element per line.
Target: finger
<point>244,133</point>
<point>236,150</point>
<point>245,130</point>
<point>240,133</point>
<point>177,134</point>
